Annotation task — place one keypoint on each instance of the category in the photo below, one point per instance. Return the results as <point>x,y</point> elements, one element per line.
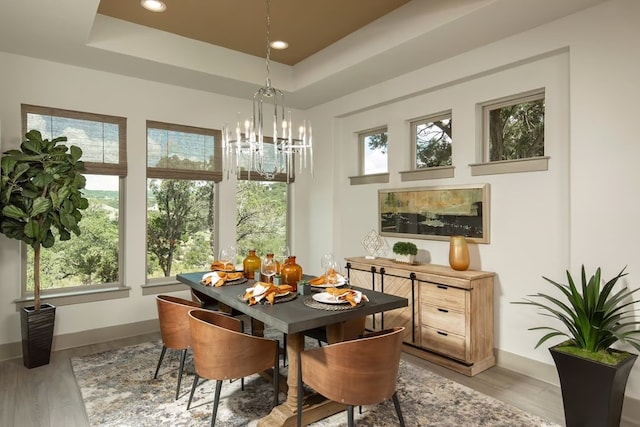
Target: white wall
<point>584,209</point>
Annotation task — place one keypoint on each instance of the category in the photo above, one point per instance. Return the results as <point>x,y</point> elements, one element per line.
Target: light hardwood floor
<point>48,395</point>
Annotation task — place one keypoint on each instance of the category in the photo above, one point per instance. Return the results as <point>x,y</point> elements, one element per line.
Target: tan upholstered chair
<point>363,371</point>
<point>222,352</point>
<point>174,327</point>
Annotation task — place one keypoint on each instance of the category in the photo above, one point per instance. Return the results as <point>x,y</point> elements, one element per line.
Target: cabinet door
<point>404,316</point>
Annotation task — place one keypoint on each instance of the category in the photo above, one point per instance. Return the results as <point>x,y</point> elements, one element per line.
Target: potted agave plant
<point>593,375</point>
<point>40,190</point>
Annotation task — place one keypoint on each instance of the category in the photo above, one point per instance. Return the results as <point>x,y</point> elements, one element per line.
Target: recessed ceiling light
<point>153,5</point>
<point>279,44</point>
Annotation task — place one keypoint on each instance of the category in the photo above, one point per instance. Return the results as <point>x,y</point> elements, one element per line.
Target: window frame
<point>414,138</point>
<point>155,285</point>
<point>94,292</point>
<point>529,164</point>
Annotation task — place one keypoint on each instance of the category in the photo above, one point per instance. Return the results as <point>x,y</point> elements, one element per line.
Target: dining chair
<point>362,371</point>
<point>222,352</point>
<point>174,329</point>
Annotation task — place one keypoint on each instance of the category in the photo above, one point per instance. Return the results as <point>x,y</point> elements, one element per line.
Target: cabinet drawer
<point>443,319</point>
<point>444,343</point>
<point>443,296</point>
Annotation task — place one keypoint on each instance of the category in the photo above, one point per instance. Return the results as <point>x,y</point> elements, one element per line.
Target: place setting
<point>331,290</point>
<point>223,270</point>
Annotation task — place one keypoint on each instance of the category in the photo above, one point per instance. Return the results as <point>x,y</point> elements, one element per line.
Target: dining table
<point>294,316</point>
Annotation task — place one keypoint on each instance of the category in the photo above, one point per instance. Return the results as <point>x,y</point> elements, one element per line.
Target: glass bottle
<point>251,264</point>
<point>291,273</point>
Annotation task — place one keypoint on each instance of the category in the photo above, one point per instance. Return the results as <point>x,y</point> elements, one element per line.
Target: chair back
<point>358,372</point>
<point>221,351</point>
<point>173,313</point>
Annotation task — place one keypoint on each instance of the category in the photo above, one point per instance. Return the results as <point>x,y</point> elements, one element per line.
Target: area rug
<point>118,389</point>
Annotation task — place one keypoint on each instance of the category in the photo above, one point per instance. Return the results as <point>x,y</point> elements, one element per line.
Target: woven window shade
<point>102,138</point>
<point>183,152</point>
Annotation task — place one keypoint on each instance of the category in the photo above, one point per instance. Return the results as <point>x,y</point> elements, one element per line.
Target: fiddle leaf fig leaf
<point>40,206</point>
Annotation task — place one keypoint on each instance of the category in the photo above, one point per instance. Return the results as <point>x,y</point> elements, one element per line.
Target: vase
<point>291,273</point>
<point>251,264</point>
<point>458,253</point>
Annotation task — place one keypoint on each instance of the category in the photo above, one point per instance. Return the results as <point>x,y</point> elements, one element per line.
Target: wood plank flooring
<point>49,397</point>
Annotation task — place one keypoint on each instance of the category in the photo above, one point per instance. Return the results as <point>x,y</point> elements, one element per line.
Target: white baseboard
<point>547,373</point>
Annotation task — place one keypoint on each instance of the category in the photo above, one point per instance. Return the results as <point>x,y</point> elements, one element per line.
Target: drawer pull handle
<point>443,333</point>
<point>443,287</point>
<point>443,310</point>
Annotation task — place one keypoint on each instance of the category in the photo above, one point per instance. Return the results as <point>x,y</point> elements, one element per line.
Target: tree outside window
<point>432,136</point>
<point>514,129</point>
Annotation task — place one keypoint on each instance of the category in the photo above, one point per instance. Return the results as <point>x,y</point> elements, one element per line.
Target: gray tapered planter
<point>592,392</point>
<point>37,334</point>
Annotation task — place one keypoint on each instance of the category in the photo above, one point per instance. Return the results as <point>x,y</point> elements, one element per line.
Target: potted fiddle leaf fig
<point>40,192</point>
<point>405,252</point>
<point>593,375</point>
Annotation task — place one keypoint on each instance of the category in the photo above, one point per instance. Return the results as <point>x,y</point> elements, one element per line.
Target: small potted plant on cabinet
<point>405,252</point>
<point>593,375</point>
<point>40,191</point>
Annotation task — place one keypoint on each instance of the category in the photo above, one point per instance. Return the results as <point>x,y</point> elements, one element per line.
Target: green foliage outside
<point>261,221</point>
<point>517,131</point>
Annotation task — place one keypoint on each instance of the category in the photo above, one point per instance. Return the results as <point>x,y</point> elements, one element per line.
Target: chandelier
<point>249,148</point>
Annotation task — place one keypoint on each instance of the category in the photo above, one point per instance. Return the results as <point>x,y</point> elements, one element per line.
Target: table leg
<point>313,409</point>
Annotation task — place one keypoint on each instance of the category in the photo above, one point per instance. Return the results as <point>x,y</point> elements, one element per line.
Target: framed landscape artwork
<point>435,213</point>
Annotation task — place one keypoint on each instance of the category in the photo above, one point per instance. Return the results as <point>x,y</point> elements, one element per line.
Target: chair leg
<point>284,345</point>
<point>396,403</point>
<point>276,376</point>
<point>164,350</point>
<point>196,377</point>
<point>184,356</point>
<point>215,402</point>
<point>350,416</point>
<point>300,393</point>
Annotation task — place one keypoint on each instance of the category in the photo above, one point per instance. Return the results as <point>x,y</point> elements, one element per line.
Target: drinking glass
<point>268,268</point>
<point>228,256</point>
<point>281,255</point>
<point>325,260</point>
<point>333,272</point>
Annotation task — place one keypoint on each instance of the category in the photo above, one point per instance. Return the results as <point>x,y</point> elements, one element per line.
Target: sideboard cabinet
<point>449,319</point>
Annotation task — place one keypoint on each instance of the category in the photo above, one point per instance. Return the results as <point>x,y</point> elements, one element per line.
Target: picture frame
<point>435,213</point>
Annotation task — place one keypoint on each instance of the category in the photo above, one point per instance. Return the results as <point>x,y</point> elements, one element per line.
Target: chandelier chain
<point>268,59</point>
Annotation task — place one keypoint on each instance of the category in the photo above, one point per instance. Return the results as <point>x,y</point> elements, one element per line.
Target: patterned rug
<point>118,389</point>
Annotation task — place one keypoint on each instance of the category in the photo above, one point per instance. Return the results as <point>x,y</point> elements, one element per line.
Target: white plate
<point>328,298</point>
<point>341,282</point>
<point>277,296</point>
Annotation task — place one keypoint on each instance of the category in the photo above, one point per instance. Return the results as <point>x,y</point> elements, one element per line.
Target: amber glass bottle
<point>291,273</point>
<point>251,264</point>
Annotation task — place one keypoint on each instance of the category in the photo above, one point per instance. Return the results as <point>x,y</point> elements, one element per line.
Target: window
<point>373,151</point>
<point>92,260</point>
<point>183,167</point>
<point>514,128</point>
<point>432,141</point>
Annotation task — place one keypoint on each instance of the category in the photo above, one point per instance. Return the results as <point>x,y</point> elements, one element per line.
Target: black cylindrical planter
<point>37,334</point>
<point>592,392</point>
